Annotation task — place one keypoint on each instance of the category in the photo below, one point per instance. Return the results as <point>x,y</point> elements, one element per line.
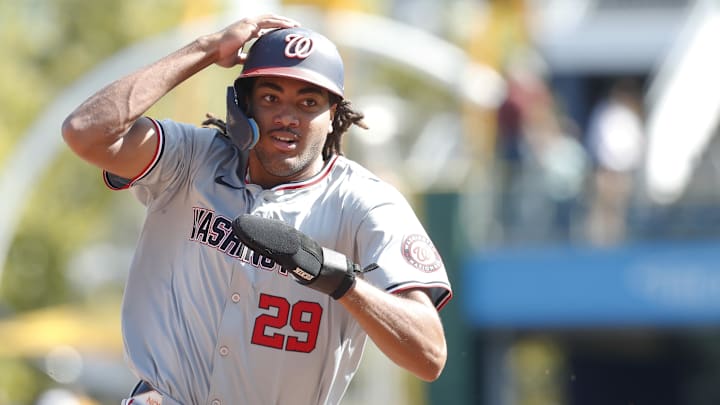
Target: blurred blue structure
<point>664,284</point>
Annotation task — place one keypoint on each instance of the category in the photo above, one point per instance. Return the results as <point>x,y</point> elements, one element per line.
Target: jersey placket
<point>264,203</point>
<point>225,355</point>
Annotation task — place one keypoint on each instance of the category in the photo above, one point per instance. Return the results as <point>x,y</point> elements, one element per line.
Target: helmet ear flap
<point>242,87</point>
<point>241,129</point>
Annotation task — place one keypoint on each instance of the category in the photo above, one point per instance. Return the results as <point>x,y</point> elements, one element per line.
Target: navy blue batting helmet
<point>296,53</point>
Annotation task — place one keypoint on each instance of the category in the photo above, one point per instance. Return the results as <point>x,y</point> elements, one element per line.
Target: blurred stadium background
<point>562,154</point>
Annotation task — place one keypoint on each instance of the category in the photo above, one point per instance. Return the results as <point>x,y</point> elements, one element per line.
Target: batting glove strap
<point>336,276</point>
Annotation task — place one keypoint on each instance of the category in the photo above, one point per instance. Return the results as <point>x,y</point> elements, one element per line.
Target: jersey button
<point>224,351</point>
<point>235,298</point>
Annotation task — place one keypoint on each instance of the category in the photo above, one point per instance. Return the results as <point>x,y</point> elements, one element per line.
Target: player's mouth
<point>284,139</point>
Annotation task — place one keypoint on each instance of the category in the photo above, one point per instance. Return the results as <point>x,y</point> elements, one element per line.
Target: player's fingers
<point>275,21</point>
<point>237,34</point>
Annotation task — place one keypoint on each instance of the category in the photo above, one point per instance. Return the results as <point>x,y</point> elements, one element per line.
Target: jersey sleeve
<point>175,159</point>
<point>392,237</point>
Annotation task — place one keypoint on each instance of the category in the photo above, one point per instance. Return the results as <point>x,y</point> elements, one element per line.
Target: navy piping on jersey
<point>439,302</point>
<point>115,182</point>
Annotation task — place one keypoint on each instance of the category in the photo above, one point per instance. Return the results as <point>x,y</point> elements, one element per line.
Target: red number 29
<point>303,317</point>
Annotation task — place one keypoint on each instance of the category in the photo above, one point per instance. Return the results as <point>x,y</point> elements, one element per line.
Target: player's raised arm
<point>107,130</point>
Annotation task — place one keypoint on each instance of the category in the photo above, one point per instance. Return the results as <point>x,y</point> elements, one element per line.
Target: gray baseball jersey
<point>207,321</point>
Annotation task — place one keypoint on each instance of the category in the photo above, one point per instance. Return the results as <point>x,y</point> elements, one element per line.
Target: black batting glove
<point>317,267</point>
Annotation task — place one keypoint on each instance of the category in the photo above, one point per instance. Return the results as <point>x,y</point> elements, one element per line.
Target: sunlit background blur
<point>561,153</point>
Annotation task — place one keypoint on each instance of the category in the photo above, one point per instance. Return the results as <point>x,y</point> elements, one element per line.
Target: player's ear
<point>332,118</point>
<point>333,108</point>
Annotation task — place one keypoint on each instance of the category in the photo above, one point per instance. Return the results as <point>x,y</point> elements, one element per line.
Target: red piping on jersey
<point>309,182</point>
<point>150,165</point>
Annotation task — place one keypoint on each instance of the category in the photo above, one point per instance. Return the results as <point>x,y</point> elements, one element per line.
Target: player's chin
<point>288,168</point>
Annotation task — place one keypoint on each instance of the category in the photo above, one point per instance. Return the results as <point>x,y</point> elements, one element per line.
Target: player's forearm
<point>109,113</point>
<point>407,329</point>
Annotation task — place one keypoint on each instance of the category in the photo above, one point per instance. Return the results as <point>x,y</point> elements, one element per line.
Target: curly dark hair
<point>344,118</point>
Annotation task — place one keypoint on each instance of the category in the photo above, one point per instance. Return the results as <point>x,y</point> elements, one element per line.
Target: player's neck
<point>258,174</point>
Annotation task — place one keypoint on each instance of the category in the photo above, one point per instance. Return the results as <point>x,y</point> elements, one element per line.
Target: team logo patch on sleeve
<point>420,252</point>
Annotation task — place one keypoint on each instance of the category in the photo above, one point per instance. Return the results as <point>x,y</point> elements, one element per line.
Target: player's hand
<point>233,37</point>
<point>319,268</point>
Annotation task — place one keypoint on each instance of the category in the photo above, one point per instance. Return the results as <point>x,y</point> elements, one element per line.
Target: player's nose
<point>286,117</point>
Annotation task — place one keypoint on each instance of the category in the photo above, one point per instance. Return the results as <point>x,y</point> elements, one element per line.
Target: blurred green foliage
<point>19,381</point>
<point>47,45</point>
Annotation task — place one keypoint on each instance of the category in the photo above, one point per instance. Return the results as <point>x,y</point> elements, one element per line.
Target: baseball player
<point>266,257</point>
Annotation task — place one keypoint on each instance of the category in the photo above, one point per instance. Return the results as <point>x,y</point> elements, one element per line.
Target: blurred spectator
<point>525,89</point>
<point>541,163</point>
<point>616,142</point>
<point>563,165</point>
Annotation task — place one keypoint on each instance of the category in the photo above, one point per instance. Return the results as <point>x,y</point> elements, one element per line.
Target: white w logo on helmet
<point>298,46</point>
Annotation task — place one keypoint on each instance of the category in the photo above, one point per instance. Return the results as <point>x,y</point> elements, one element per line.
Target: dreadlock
<point>212,120</point>
<point>344,118</point>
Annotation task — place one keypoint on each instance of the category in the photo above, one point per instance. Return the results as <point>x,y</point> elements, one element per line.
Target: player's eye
<point>270,98</point>
<point>309,102</point>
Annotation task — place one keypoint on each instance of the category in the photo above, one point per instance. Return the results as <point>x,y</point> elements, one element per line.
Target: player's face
<point>294,118</point>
